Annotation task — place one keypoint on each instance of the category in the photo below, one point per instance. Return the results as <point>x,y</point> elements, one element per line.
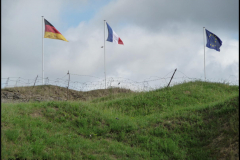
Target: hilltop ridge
<point>54,93</point>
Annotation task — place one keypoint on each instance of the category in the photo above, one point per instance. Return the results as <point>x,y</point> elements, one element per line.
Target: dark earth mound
<point>54,93</point>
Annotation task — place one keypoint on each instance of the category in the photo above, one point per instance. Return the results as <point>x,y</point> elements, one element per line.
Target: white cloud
<point>158,37</point>
<point>228,53</point>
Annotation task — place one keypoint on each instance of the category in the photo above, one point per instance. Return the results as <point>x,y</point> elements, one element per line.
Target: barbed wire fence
<point>148,84</point>
<point>85,83</point>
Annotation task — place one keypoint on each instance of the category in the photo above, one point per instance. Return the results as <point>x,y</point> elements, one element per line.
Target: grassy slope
<point>196,120</point>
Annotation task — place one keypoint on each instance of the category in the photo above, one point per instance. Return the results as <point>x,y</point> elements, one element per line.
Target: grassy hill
<point>195,120</point>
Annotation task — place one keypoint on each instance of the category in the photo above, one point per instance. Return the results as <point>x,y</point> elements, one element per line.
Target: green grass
<point>195,120</point>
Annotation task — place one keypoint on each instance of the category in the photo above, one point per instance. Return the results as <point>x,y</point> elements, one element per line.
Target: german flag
<point>52,32</point>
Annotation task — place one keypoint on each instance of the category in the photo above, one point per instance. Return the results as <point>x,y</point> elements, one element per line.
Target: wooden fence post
<point>7,82</point>
<point>17,81</point>
<point>34,85</point>
<point>68,84</point>
<point>168,94</point>
<point>35,81</point>
<point>172,77</point>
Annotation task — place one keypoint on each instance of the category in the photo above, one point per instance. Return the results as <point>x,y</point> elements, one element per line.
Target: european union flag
<point>213,41</point>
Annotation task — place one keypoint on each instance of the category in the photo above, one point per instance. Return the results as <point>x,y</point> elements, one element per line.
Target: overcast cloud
<point>158,36</point>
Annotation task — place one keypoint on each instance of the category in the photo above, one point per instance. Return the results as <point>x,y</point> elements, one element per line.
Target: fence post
<point>68,84</point>
<point>34,86</point>
<point>172,77</point>
<point>168,94</point>
<point>35,81</point>
<point>7,82</point>
<point>47,81</point>
<point>17,81</point>
<point>57,89</point>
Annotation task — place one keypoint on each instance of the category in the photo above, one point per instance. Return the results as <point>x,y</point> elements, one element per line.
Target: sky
<point>158,36</point>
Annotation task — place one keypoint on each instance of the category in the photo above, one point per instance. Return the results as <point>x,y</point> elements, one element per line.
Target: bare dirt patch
<point>54,93</point>
<point>187,92</point>
<point>36,114</point>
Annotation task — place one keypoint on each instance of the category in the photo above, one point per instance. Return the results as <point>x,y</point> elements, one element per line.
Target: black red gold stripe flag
<point>52,32</point>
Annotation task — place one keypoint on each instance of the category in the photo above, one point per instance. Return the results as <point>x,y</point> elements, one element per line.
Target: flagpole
<point>42,54</point>
<point>104,55</point>
<point>204,52</point>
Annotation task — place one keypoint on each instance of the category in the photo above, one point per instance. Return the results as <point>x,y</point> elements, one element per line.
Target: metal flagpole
<point>104,55</point>
<point>204,52</point>
<point>42,54</point>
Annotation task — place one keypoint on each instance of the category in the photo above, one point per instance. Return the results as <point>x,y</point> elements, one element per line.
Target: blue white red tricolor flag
<point>112,36</point>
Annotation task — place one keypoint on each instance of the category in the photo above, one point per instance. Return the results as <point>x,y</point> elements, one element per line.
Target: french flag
<point>112,36</point>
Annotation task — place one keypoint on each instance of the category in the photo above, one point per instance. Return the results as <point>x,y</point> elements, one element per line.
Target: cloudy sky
<point>158,36</point>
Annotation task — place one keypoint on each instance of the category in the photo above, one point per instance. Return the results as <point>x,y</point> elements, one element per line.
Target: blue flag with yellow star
<point>213,41</point>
